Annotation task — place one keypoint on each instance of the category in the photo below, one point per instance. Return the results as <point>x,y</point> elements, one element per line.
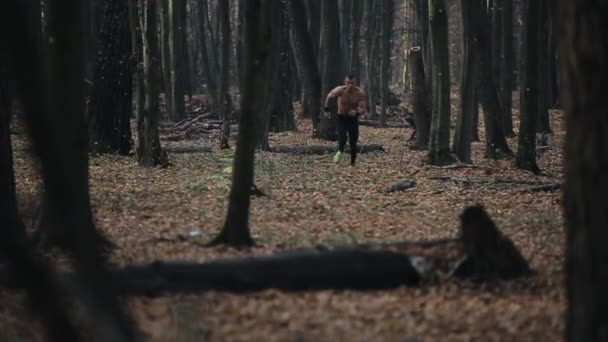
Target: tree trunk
<point>303,52</point>
<point>468,82</point>
<point>313,14</point>
<point>332,72</point>
<point>356,15</point>
<point>526,150</point>
<point>176,37</point>
<point>281,115</point>
<point>9,214</point>
<point>506,70</point>
<point>239,40</point>
<point>111,104</point>
<point>208,67</point>
<point>422,113</point>
<point>256,47</point>
<point>387,11</point>
<point>439,147</point>
<point>225,45</point>
<point>543,45</point>
<point>148,149</point>
<point>496,144</point>
<point>371,38</point>
<point>346,27</point>
<point>52,94</point>
<point>583,71</point>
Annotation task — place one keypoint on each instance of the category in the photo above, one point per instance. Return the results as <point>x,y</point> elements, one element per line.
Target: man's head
<point>350,81</point>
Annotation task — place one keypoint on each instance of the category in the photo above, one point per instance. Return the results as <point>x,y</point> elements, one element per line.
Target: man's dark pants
<point>348,127</point>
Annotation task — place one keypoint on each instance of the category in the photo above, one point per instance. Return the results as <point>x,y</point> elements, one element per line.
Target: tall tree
<point>209,70</point>
<point>332,73</point>
<point>302,46</point>
<point>176,10</point>
<point>463,134</point>
<point>225,45</point>
<point>439,148</point>
<point>526,151</point>
<point>356,16</point>
<point>371,36</point>
<point>111,103</point>
<point>583,71</point>
<point>506,69</point>
<point>543,45</point>
<point>147,83</point>
<point>50,87</point>
<point>496,143</point>
<point>257,53</point>
<point>281,117</point>
<point>386,27</point>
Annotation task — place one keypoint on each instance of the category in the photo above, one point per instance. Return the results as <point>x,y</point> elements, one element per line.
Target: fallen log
<point>323,149</point>
<point>545,187</point>
<point>378,124</point>
<point>486,181</point>
<point>480,253</point>
<point>187,149</point>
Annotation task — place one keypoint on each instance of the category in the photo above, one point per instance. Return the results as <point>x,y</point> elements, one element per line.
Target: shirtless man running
<point>351,104</point>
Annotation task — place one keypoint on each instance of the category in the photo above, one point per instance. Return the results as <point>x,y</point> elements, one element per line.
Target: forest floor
<point>167,213</point>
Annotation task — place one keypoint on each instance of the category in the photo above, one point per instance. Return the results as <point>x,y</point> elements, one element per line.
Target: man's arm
<point>337,91</point>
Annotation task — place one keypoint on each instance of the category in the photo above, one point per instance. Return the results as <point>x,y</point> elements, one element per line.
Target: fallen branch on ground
<point>323,149</point>
<point>187,149</point>
<point>378,124</point>
<point>486,181</point>
<point>544,187</point>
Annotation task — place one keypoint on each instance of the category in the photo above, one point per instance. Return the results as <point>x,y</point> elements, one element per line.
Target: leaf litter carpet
<point>168,214</point>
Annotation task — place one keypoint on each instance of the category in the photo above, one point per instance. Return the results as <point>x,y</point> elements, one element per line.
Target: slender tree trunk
<point>281,113</point>
<point>225,44</point>
<point>543,125</point>
<point>496,144</point>
<point>148,148</point>
<point>422,113</point>
<point>332,72</point>
<point>236,227</point>
<point>439,148</point>
<point>111,104</point>
<point>208,67</point>
<point>239,40</point>
<point>583,71</point>
<point>387,10</point>
<point>313,13</point>
<point>371,34</point>
<point>526,151</point>
<point>468,82</point>
<point>356,16</point>
<point>176,37</point>
<point>345,30</point>
<point>303,52</point>
<point>506,70</point>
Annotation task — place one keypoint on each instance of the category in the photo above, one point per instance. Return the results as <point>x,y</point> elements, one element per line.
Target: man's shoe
<point>338,157</point>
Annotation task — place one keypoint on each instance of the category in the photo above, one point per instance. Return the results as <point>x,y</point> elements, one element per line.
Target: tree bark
<point>526,151</point>
<point>110,107</point>
<point>148,149</point>
<point>506,75</point>
<point>176,38</point>
<point>543,46</point>
<point>387,11</point>
<point>496,144</point>
<point>225,45</point>
<point>303,52</point>
<point>583,71</point>
<point>463,134</point>
<point>422,113</point>
<point>236,227</point>
<point>439,147</point>
<point>356,16</point>
<point>371,9</point>
<point>332,74</point>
